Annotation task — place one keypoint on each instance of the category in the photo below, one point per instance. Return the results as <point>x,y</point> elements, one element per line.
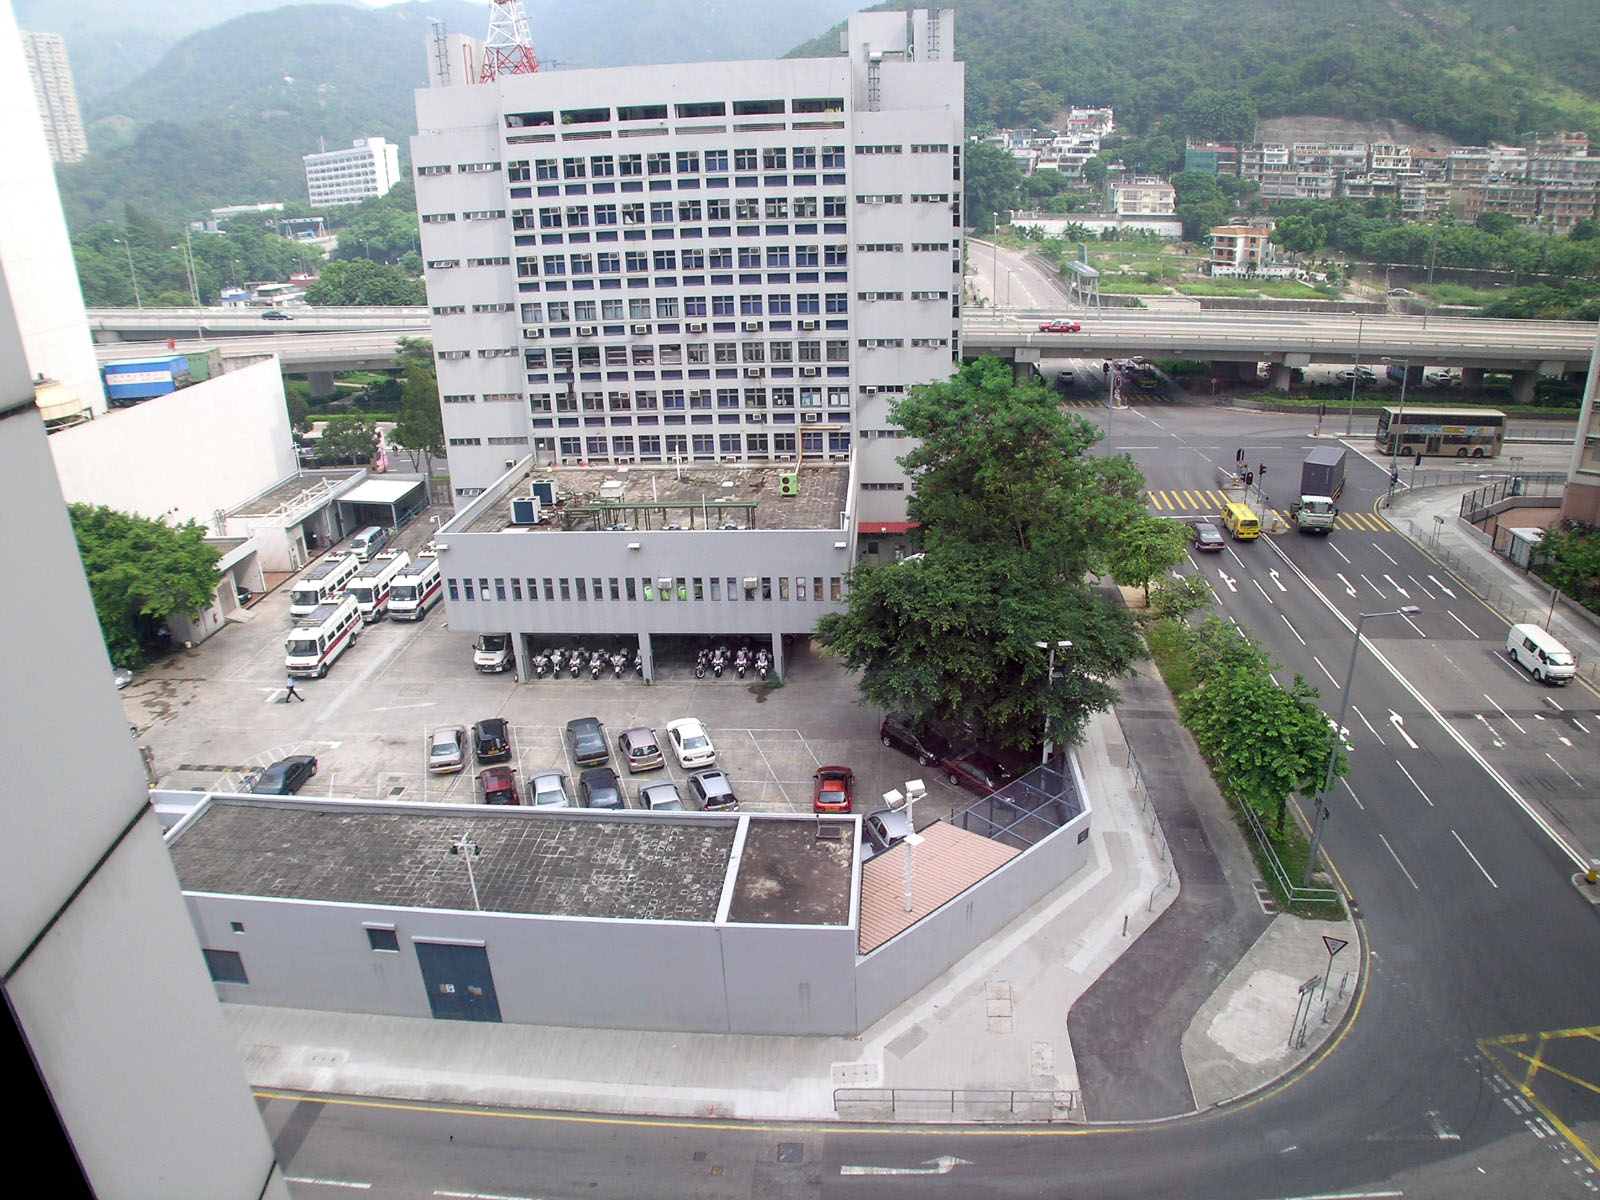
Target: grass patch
<point>1458,293</point>
<point>1169,648</point>
<point>1277,289</point>
<point>1116,285</point>
<point>1370,403</point>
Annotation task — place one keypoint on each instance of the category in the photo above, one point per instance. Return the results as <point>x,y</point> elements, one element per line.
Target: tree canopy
<point>420,429</point>
<point>359,281</point>
<point>140,573</point>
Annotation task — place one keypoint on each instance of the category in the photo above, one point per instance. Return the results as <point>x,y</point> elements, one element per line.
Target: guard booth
<point>390,502</point>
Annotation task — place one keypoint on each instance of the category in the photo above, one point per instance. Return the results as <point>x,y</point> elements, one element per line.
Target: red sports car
<point>835,789</point>
<point>1061,327</point>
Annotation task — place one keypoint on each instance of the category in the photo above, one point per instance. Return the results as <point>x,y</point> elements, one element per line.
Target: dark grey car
<point>927,745</point>
<point>599,787</point>
<point>587,738</point>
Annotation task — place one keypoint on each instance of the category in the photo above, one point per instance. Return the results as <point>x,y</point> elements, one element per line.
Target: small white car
<point>691,744</point>
<point>447,749</point>
<point>548,789</point>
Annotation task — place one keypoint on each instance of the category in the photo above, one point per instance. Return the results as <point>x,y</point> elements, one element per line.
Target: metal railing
<point>978,1103</point>
<point>1479,503</point>
<point>1291,893</point>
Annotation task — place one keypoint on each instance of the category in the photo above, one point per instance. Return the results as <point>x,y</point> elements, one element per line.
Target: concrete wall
<point>184,455</point>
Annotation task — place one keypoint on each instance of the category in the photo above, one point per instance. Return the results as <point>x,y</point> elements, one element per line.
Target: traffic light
<point>1249,478</point>
<point>1263,471</point>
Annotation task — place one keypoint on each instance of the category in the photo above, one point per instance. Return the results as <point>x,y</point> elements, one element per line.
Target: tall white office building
<point>739,260</point>
<point>368,168</point>
<point>56,95</point>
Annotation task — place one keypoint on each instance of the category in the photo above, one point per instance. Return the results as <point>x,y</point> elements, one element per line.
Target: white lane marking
<point>1493,736</point>
<point>1421,586</point>
<point>1234,554</point>
<point>1276,580</point>
<point>1564,740</point>
<point>1263,592</point>
<point>1504,713</point>
<point>1384,552</point>
<point>1397,862</point>
<point>1371,585</point>
<point>1369,725</point>
<point>1397,587</point>
<point>1399,724</point>
<point>1348,587</point>
<point>1475,861</point>
<point>1228,579</point>
<point>478,1196</point>
<point>1551,702</point>
<point>942,1165</point>
<point>1582,728</point>
<point>1354,797</point>
<point>1463,625</point>
<point>1339,552</point>
<point>361,1187</point>
<point>1576,782</point>
<point>1292,629</point>
<point>1441,587</point>
<point>1406,617</point>
<point>1434,1119</point>
<point>1415,783</point>
<point>1325,670</point>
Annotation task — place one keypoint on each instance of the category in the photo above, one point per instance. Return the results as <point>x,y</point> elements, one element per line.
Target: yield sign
<point>1334,944</point>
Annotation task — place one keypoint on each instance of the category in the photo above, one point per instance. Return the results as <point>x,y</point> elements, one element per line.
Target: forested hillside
<point>1473,70</point>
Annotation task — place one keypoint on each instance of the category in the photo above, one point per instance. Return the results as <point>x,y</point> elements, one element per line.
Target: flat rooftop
<point>655,496</point>
<point>293,492</point>
<point>574,864</point>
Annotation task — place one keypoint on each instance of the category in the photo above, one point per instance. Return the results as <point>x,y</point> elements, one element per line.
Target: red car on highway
<point>1060,327</point>
<point>835,789</point>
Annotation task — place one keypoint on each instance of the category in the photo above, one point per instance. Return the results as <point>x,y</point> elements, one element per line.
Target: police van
<point>317,640</point>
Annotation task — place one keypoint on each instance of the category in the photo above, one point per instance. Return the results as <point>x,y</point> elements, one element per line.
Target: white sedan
<point>690,743</point>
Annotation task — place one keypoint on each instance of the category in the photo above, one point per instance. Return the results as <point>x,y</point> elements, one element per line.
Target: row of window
<point>677,399</point>
<point>699,447</point>
<point>670,308</point>
<point>672,354</point>
<point>687,162</point>
<point>666,212</point>
<point>629,588</point>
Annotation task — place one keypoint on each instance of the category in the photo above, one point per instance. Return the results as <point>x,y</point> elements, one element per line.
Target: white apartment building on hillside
<point>701,262</point>
<point>367,169</point>
<point>56,94</point>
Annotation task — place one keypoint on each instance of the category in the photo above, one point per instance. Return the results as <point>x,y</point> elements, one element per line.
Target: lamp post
<point>138,303</point>
<point>1396,434</point>
<point>1008,286</point>
<point>894,800</point>
<point>1049,682</point>
<point>994,260</point>
<point>1321,819</point>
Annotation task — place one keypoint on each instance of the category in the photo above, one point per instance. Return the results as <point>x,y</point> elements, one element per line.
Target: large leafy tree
<point>140,573</point>
<point>1147,547</point>
<point>1013,512</point>
<point>420,429</point>
<point>992,182</point>
<point>358,281</point>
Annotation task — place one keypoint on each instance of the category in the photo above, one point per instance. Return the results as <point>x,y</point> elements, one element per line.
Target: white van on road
<point>1535,651</point>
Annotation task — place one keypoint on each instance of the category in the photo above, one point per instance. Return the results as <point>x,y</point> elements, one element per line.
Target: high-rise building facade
<point>698,262</point>
<point>367,169</point>
<point>57,97</point>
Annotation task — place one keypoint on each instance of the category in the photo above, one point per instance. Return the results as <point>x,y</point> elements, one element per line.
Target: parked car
<point>548,789</point>
<point>586,737</point>
<point>660,797</point>
<point>1060,326</point>
<point>499,785</point>
<point>1207,537</point>
<point>690,743</point>
<point>447,749</point>
<point>1361,376</point>
<point>640,750</point>
<point>882,829</point>
<point>712,791</point>
<point>977,770</point>
<point>1441,378</point>
<point>491,741</point>
<point>833,789</point>
<point>598,787</point>
<point>285,777</point>
<point>928,746</point>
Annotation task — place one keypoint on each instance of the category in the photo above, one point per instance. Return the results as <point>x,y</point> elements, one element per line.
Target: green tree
<point>1570,561</point>
<point>347,441</point>
<point>359,282</point>
<point>991,181</point>
<point>141,572</point>
<point>1498,223</point>
<point>420,429</point>
<point>1297,235</point>
<point>1146,548</point>
<point>1177,599</point>
<point>1223,116</point>
<point>299,410</point>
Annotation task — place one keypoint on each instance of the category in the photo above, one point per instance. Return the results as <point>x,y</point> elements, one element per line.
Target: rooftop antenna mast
<point>508,50</point>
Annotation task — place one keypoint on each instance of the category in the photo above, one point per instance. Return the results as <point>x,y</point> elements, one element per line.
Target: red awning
<point>879,527</point>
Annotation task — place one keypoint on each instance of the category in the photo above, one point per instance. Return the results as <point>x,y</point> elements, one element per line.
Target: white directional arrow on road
<point>942,1165</point>
<point>1442,588</point>
<point>1347,586</point>
<point>1495,737</point>
<point>1399,724</point>
<point>1228,579</point>
<point>1397,587</point>
<point>1277,581</point>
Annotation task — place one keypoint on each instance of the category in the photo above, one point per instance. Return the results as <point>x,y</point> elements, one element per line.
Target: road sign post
<point>1334,945</point>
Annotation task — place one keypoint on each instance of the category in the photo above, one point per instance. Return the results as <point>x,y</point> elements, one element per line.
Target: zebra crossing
<point>1209,502</point>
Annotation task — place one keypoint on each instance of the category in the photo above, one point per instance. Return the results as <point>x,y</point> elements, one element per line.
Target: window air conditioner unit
<point>811,418</point>
<point>641,329</point>
<point>810,370</point>
<point>754,372</point>
<point>871,391</point>
<point>752,326</point>
<point>697,327</point>
<point>808,324</point>
<point>758,418</point>
<point>585,330</point>
<point>533,335</point>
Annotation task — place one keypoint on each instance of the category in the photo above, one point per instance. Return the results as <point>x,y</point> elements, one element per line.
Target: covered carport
<point>391,503</point>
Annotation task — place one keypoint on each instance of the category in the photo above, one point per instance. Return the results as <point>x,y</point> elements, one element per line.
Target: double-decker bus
<point>1461,432</point>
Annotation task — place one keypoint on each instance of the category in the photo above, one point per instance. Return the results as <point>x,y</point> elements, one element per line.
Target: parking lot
<point>210,714</point>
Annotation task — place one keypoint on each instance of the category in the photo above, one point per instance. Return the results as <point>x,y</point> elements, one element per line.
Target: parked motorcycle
<point>619,664</point>
<point>597,663</point>
<point>638,663</point>
<point>702,663</point>
<point>575,661</point>
<point>763,664</point>
<point>741,662</point>
<point>719,659</point>
<point>541,664</point>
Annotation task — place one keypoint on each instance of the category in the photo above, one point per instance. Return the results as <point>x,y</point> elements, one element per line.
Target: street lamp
<point>1321,819</point>
<point>1397,428</point>
<point>138,303</point>
<point>1049,682</point>
<point>894,800</point>
<point>1009,273</point>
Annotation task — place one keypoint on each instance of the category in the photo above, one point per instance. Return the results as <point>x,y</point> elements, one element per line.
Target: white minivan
<point>369,541</point>
<point>1535,651</point>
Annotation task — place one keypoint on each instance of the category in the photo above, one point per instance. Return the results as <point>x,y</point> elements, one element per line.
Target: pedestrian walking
<point>288,691</point>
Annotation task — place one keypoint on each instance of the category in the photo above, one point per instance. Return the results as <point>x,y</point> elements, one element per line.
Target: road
<point>1480,949</point>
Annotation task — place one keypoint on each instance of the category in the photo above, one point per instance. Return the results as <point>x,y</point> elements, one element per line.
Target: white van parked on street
<point>1535,651</point>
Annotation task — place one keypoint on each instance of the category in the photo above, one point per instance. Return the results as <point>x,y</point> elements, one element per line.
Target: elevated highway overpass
<point>321,341</point>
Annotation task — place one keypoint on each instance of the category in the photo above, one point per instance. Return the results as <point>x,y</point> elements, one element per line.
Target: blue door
<point>460,985</point>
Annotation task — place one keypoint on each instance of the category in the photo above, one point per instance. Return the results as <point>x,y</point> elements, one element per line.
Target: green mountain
<point>1473,70</point>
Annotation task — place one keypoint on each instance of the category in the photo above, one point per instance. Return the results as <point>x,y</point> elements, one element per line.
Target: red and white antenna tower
<point>508,50</point>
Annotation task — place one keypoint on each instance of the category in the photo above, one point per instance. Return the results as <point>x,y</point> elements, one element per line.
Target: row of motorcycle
<point>595,661</point>
<point>717,659</point>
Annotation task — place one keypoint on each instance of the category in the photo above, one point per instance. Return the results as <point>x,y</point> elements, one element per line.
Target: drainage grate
<point>1265,899</point>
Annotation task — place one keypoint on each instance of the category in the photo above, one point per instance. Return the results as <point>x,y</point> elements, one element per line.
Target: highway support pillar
<point>321,384</point>
<point>1522,385</point>
<point>1025,365</point>
<point>1472,379</point>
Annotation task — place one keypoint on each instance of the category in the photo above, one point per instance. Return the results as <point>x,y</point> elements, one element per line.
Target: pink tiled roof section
<point>947,863</point>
